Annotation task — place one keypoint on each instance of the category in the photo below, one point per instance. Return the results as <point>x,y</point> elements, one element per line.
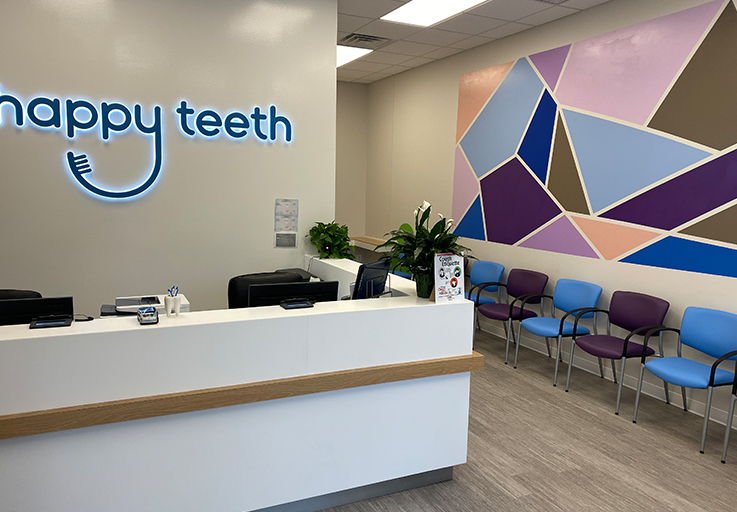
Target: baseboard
<point>365,492</point>
<point>592,366</point>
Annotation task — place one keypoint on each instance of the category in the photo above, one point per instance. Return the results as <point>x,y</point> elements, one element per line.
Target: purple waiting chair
<point>520,284</point>
<point>634,312</point>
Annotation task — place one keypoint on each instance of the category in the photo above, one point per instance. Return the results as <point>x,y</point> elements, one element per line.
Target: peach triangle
<point>474,91</point>
<point>611,239</point>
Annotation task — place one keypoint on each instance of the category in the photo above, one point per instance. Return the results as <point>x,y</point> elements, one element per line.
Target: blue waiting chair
<point>569,296</point>
<point>729,421</point>
<point>710,331</point>
<point>484,276</point>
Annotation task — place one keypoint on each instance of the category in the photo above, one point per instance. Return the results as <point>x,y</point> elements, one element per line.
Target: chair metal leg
<point>614,371</point>
<point>601,368</point>
<point>547,344</point>
<point>639,390</point>
<point>557,360</point>
<point>621,382</point>
<point>509,332</point>
<point>516,349</point>
<point>667,395</point>
<point>729,429</point>
<point>505,328</point>
<point>706,418</point>
<point>570,365</point>
<point>683,394</point>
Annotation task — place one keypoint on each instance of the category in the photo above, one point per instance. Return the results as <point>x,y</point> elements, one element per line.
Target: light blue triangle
<point>618,160</point>
<point>472,224</point>
<point>495,134</point>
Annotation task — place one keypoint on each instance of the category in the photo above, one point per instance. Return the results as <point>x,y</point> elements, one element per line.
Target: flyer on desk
<point>448,277</point>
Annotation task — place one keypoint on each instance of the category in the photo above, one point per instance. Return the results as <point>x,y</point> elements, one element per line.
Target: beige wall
<point>351,152</point>
<point>412,123</point>
<point>211,214</point>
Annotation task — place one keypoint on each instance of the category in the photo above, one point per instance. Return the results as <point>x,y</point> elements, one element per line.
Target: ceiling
<point>411,46</point>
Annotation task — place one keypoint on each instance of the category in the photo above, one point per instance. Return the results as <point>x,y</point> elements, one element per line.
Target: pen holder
<point>172,305</point>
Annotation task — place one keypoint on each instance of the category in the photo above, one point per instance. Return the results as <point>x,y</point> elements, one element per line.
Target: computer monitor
<point>371,279</point>
<point>24,311</point>
<point>272,294</point>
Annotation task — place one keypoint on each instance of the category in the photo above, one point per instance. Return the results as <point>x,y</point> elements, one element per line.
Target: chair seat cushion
<point>687,373</point>
<point>483,299</point>
<point>501,312</point>
<point>610,347</point>
<point>549,327</point>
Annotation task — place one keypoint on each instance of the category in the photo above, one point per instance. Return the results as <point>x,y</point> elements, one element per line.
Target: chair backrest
<point>709,331</point>
<point>238,286</point>
<point>632,310</point>
<point>19,294</point>
<point>486,272</point>
<point>523,282</point>
<point>571,294</point>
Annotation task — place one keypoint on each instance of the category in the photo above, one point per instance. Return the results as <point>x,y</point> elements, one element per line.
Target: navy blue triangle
<point>472,224</point>
<point>535,148</point>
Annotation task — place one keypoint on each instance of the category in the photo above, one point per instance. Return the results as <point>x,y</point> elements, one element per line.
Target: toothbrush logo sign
<point>81,116</point>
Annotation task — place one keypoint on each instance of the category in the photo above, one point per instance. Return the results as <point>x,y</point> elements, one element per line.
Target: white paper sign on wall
<point>448,277</point>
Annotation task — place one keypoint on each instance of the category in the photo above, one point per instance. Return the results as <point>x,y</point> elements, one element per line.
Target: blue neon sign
<point>80,115</point>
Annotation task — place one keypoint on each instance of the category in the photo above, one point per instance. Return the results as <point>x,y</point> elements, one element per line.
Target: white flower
<point>417,211</point>
<point>450,222</point>
<point>425,206</point>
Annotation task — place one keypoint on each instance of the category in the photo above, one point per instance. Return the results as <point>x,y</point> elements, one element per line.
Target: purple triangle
<point>561,236</point>
<point>550,63</point>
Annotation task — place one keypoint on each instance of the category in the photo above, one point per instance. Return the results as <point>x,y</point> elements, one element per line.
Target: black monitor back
<point>371,279</point>
<point>239,285</point>
<point>273,294</point>
<point>23,311</point>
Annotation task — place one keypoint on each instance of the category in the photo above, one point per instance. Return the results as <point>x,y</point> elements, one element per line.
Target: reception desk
<point>236,410</point>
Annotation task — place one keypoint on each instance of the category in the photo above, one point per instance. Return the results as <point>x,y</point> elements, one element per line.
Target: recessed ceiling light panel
<point>424,13</point>
<point>348,54</point>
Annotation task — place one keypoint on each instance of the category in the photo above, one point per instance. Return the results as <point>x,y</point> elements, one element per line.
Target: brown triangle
<point>702,105</point>
<point>564,182</point>
<point>719,227</point>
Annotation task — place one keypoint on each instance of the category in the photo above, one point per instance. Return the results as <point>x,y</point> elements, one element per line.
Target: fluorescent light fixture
<point>424,13</point>
<point>348,54</point>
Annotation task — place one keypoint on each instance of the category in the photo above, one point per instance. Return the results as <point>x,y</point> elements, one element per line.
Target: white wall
<point>412,123</point>
<point>351,148</point>
<point>210,216</point>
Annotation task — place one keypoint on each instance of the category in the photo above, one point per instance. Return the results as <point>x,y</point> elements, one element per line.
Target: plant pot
<point>425,282</point>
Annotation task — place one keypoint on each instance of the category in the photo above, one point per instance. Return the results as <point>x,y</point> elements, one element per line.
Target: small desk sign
<point>448,278</point>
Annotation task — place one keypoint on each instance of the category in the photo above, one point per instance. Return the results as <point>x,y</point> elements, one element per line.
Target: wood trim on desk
<point>68,418</point>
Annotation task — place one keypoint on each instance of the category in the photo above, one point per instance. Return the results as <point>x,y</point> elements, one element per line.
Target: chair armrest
<point>527,298</point>
<point>639,330</point>
<point>481,286</point>
<point>717,363</point>
<point>579,313</point>
<point>649,334</point>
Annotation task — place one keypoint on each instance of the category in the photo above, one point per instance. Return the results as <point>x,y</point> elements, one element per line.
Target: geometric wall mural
<point>621,147</point>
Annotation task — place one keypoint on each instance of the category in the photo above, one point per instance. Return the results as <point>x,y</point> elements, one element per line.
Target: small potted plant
<point>415,249</point>
<point>331,240</point>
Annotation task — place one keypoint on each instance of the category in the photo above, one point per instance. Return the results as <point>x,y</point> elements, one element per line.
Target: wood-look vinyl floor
<point>533,447</point>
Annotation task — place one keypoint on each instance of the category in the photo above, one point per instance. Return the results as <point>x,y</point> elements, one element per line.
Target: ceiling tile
<point>350,74</point>
<point>395,69</point>
<point>372,77</point>
<point>388,29</point>
<point>548,15</point>
<point>510,10</point>
<point>386,57</point>
<point>469,24</point>
<point>408,48</point>
<point>417,61</point>
<point>435,36</point>
<point>584,4</point>
<point>442,53</point>
<point>347,23</point>
<point>471,42</point>
<point>367,9</point>
<point>341,35</point>
<point>359,65</point>
<point>505,30</point>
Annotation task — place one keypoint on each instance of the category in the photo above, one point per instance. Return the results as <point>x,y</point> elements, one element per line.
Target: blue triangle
<point>617,160</point>
<point>682,254</point>
<point>472,224</point>
<point>535,148</point>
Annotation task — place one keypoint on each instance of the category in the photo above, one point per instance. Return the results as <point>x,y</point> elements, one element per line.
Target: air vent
<point>364,41</point>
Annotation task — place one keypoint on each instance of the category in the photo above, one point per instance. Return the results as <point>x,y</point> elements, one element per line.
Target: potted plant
<point>415,249</point>
<point>331,240</point>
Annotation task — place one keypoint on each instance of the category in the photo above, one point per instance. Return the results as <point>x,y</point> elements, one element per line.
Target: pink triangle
<point>561,236</point>
<point>550,63</point>
<point>465,185</point>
